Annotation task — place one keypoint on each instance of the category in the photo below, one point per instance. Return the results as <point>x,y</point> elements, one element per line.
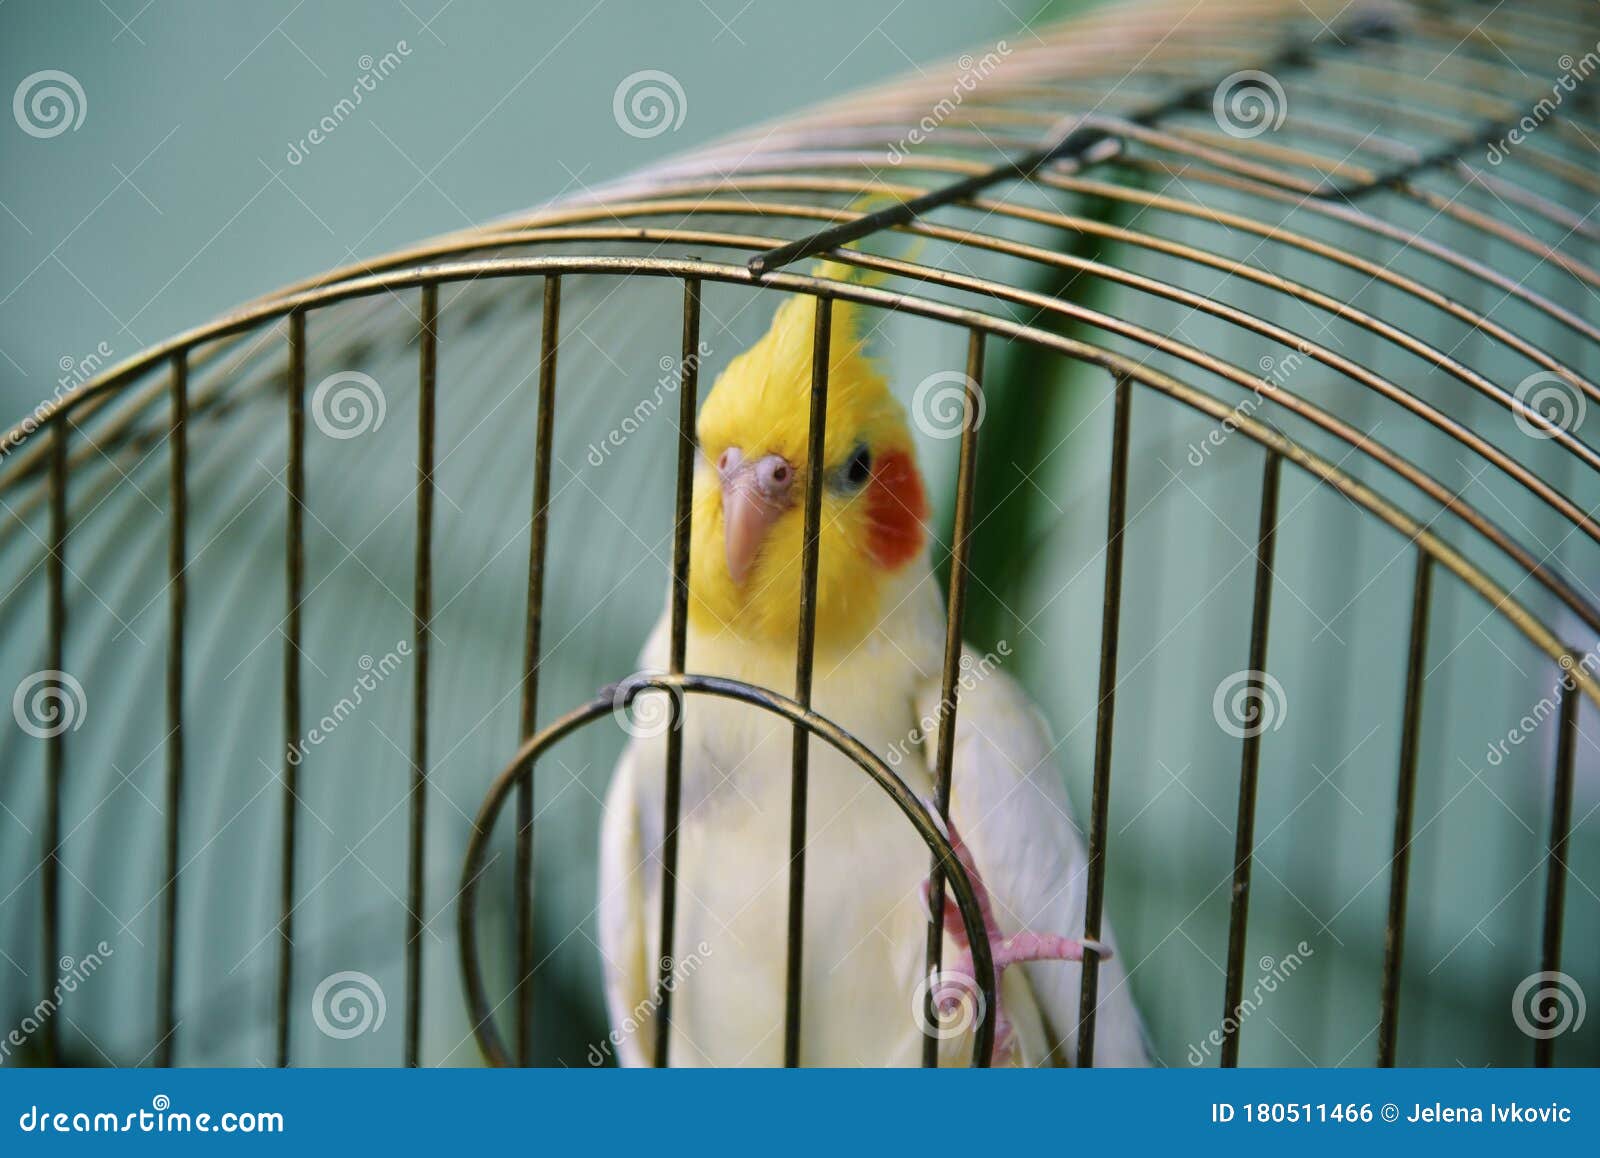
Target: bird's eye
<point>859,468</point>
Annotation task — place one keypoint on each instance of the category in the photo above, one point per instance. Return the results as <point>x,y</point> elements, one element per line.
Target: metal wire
<point>1250,761</point>
<point>55,754</point>
<point>944,759</point>
<point>688,390</point>
<point>294,585</point>
<point>816,439</point>
<point>1394,937</point>
<point>422,628</point>
<point>177,563</point>
<point>549,343</point>
<point>1105,716</point>
<point>1555,894</point>
<point>676,686</point>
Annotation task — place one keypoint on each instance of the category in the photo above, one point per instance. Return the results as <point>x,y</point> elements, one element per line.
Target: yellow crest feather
<point>761,404</point>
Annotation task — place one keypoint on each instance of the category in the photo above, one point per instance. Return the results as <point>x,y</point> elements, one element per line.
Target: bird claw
<point>959,978</point>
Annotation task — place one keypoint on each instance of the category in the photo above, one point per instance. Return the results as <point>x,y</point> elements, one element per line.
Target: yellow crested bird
<point>880,627</point>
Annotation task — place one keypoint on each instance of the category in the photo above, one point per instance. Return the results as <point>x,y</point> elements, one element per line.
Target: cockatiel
<point>880,626</point>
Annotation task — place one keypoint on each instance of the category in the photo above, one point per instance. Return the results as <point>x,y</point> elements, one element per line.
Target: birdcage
<point>1340,244</point>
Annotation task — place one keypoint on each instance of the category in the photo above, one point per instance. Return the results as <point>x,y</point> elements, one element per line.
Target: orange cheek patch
<point>896,509</point>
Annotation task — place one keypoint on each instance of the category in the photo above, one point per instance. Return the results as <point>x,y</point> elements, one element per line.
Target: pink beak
<point>754,495</point>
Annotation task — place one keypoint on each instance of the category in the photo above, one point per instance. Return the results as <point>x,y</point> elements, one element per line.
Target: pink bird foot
<point>954,989</point>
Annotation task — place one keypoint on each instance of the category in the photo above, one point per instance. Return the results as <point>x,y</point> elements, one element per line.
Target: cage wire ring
<point>928,826</point>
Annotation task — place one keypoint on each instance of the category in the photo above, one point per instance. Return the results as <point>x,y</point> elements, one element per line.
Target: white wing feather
<point>622,918</point>
<point>1009,804</point>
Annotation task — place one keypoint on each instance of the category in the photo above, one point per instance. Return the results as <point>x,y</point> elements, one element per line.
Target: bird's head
<point>750,487</point>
